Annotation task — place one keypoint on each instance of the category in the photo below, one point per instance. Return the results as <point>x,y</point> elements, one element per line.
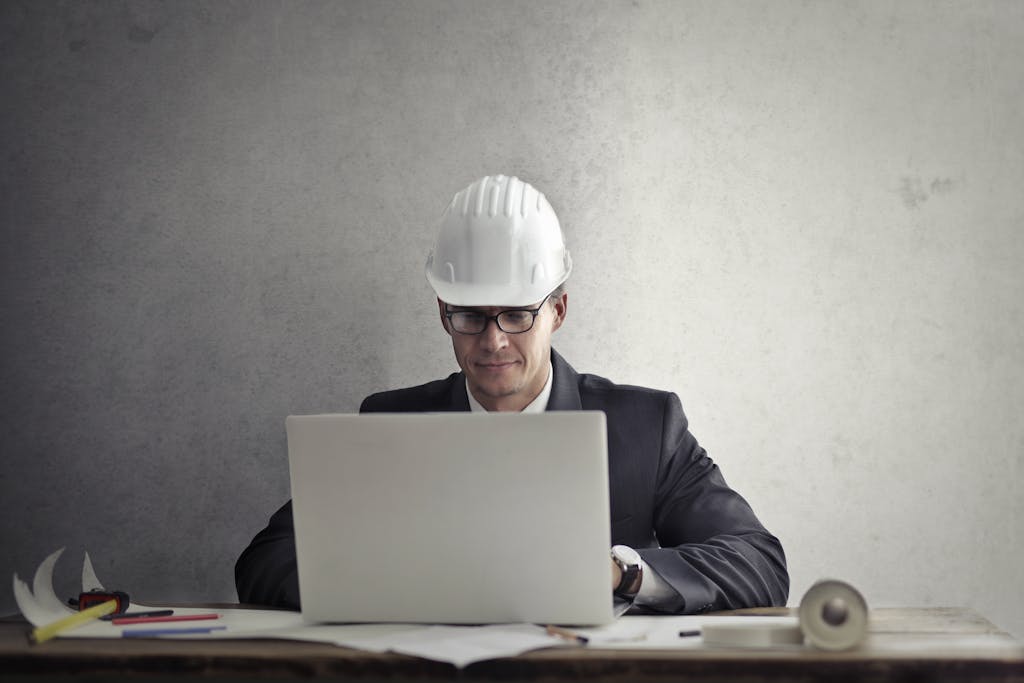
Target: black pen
<point>566,634</point>
<point>132,615</point>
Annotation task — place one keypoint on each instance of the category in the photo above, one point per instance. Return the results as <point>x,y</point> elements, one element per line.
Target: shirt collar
<point>537,405</point>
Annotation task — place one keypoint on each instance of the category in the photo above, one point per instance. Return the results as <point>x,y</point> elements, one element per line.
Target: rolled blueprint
<point>833,616</point>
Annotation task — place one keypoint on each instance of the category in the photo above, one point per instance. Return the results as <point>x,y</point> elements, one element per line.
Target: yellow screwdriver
<point>45,633</point>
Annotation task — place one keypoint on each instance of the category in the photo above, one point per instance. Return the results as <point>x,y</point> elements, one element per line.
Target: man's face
<point>506,371</point>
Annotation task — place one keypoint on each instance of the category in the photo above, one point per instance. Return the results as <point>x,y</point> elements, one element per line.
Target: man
<point>684,542</point>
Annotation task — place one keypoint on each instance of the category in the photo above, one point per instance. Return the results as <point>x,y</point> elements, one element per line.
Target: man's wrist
<point>630,568</point>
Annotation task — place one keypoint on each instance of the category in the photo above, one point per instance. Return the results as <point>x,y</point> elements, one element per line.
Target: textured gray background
<point>805,218</point>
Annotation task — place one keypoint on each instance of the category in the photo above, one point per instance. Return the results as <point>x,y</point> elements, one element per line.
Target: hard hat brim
<point>461,294</point>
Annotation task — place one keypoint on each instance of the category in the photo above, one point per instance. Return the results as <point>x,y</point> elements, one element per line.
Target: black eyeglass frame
<point>488,318</point>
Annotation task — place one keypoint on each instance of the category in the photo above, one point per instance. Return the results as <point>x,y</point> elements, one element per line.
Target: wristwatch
<point>628,561</point>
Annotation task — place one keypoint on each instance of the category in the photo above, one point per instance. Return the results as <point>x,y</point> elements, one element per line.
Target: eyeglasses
<point>512,321</point>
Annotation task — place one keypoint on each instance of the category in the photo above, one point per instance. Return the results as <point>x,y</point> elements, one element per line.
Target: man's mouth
<point>495,365</point>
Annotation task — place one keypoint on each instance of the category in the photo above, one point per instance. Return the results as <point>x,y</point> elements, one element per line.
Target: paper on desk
<point>459,645</point>
<point>463,645</point>
<point>662,632</point>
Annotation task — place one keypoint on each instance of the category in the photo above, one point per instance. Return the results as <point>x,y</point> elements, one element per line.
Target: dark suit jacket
<point>668,500</point>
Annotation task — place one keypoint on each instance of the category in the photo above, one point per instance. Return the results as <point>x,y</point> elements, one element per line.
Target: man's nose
<point>492,338</point>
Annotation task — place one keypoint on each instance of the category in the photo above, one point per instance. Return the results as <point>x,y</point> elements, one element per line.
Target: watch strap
<point>629,574</point>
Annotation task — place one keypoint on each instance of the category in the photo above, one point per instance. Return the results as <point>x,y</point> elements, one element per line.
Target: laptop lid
<point>457,518</point>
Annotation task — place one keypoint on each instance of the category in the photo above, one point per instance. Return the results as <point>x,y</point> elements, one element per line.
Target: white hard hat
<point>499,244</point>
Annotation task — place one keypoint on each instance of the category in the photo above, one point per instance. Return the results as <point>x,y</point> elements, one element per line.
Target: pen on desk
<point>139,615</point>
<point>44,633</point>
<point>566,634</point>
<point>688,634</point>
<point>154,632</point>
<point>132,619</point>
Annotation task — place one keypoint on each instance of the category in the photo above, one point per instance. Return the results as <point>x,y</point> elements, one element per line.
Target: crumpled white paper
<point>40,604</point>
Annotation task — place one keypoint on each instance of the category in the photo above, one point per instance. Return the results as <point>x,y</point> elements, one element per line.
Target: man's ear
<point>560,306</point>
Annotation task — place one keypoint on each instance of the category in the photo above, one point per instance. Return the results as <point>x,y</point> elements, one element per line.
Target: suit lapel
<point>457,399</point>
<point>565,392</point>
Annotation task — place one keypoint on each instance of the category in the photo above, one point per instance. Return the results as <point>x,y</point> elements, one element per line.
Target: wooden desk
<point>904,645</point>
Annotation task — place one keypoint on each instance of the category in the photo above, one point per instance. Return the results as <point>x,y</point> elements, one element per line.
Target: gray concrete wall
<point>805,218</point>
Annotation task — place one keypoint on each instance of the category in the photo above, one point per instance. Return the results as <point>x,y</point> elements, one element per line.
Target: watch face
<point>626,554</point>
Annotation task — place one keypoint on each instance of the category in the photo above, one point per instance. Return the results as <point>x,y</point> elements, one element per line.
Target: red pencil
<point>129,619</point>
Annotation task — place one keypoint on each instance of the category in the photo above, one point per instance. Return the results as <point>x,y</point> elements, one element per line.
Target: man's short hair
<point>557,292</point>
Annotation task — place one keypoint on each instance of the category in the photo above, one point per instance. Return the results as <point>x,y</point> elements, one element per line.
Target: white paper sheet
<point>462,645</point>
<point>662,632</point>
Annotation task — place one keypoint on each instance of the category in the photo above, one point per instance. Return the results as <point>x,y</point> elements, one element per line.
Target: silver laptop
<point>456,518</point>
